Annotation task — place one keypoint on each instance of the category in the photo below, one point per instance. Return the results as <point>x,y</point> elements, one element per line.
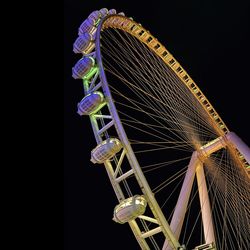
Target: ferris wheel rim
<point>104,82</point>
<point>220,126</point>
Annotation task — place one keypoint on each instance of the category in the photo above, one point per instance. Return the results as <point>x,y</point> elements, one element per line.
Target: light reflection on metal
<point>84,44</point>
<point>130,209</point>
<point>106,150</point>
<point>91,103</point>
<point>82,67</point>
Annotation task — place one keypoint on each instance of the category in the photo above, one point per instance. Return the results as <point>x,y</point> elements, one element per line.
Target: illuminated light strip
<point>119,163</point>
<point>143,217</point>
<point>124,176</point>
<point>151,232</point>
<point>103,129</point>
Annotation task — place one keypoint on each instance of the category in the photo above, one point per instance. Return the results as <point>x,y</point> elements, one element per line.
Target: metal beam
<point>239,144</point>
<point>181,206</point>
<point>207,220</point>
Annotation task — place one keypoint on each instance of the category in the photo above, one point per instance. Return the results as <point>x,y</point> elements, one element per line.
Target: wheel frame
<point>135,29</point>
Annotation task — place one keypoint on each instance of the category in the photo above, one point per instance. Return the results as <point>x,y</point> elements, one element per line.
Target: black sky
<point>210,40</point>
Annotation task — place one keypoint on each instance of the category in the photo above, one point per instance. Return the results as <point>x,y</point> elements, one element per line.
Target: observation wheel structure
<point>180,176</point>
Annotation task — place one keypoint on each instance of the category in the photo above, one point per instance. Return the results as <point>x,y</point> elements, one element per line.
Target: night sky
<point>209,39</point>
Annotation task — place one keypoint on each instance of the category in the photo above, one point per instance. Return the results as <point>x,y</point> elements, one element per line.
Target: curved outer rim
<point>133,28</point>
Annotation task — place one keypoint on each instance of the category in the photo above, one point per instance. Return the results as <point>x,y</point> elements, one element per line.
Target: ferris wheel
<point>180,176</point>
